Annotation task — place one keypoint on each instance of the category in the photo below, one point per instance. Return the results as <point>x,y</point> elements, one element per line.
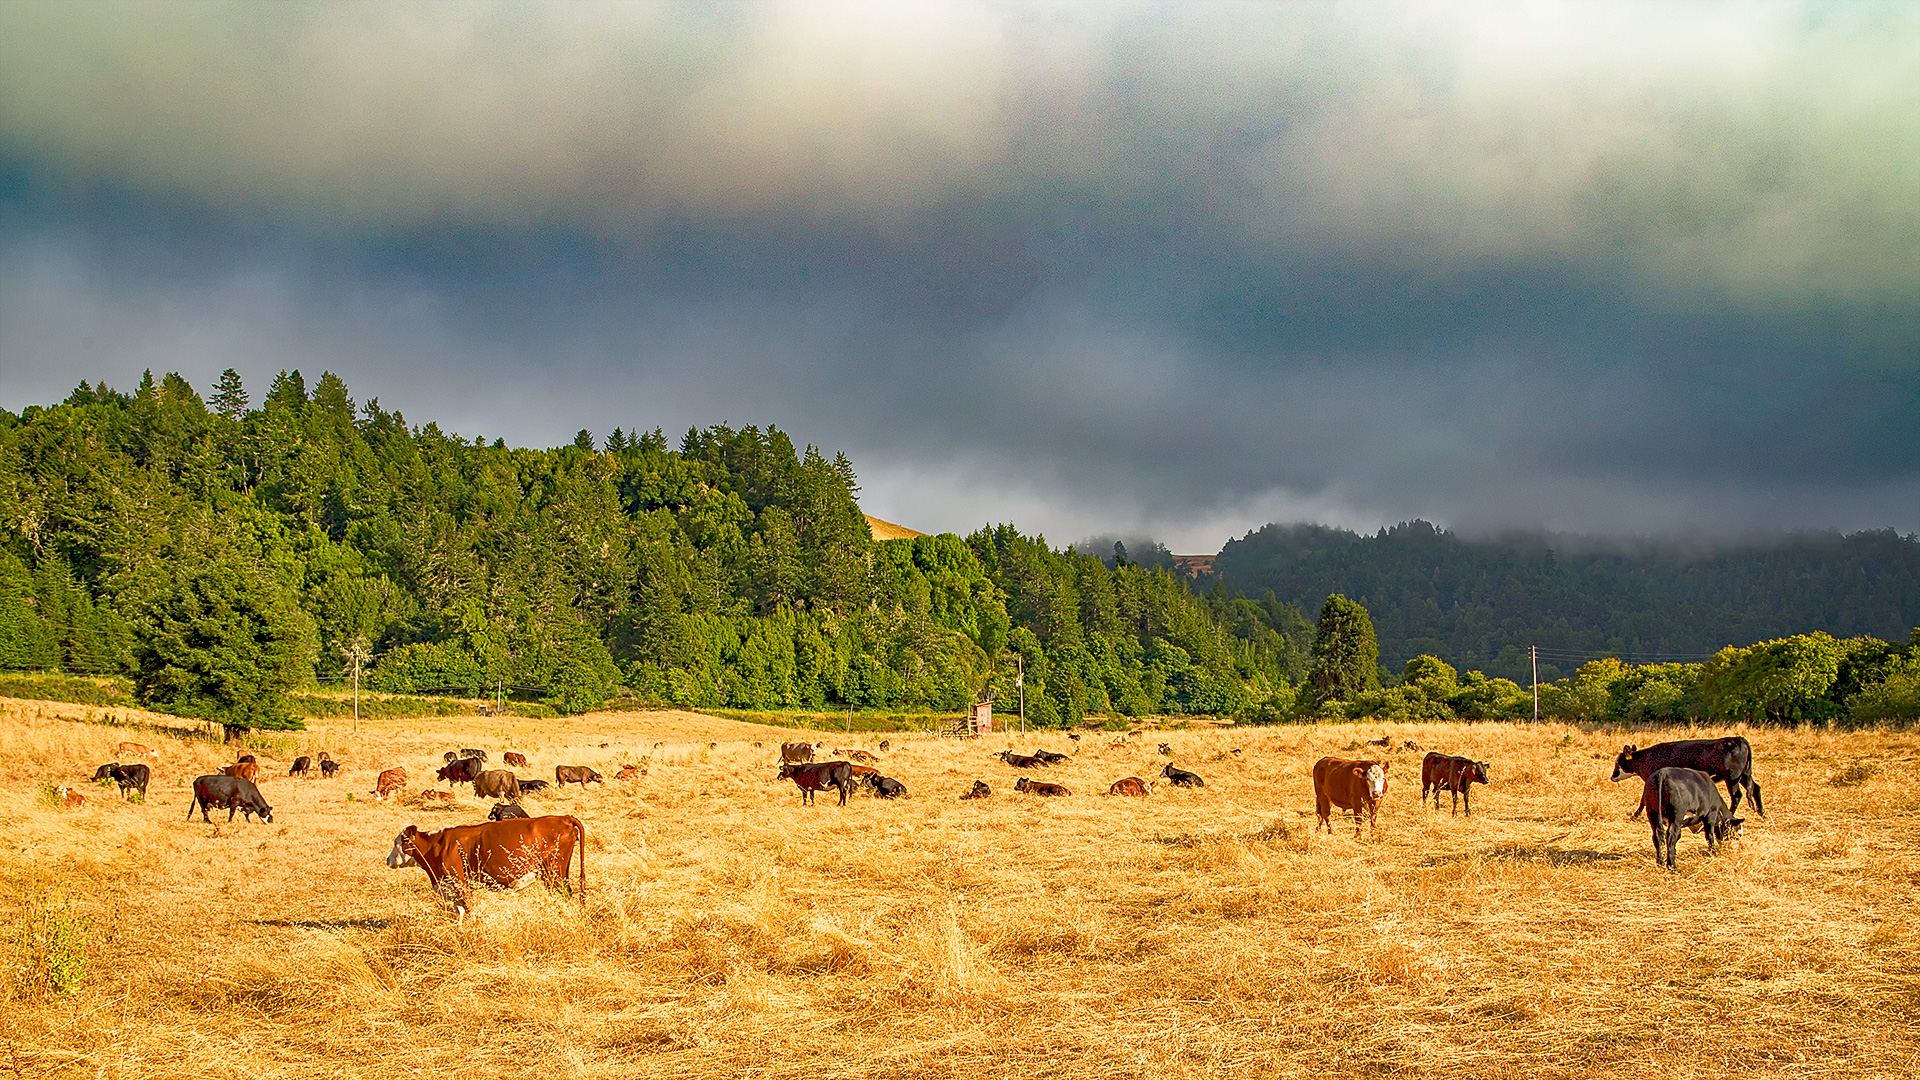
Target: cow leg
<point>1456,800</point>
<point>1735,788</point>
<point>844,788</point>
<point>1673,844</point>
<point>1466,796</point>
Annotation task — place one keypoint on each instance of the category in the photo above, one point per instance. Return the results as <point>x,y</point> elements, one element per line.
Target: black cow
<point>1677,798</point>
<point>461,772</point>
<point>885,786</point>
<point>1021,761</point>
<point>302,766</point>
<point>505,810</point>
<point>534,785</point>
<point>1182,778</point>
<point>1728,760</point>
<point>980,791</point>
<point>1050,757</point>
<point>231,792</point>
<point>469,752</point>
<point>329,767</point>
<point>130,777</point>
<point>819,777</point>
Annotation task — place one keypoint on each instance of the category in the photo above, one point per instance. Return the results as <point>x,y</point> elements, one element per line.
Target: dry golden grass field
<point>729,931</point>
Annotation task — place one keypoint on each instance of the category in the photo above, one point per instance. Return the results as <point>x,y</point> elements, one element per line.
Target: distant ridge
<point>887,530</point>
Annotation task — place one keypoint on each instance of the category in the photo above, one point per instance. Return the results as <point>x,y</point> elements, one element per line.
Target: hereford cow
<point>391,780</point>
<point>130,777</point>
<point>884,786</point>
<point>1728,760</point>
<point>1040,787</point>
<point>134,749</point>
<point>243,770</point>
<point>1349,785</point>
<point>496,784</point>
<point>980,791</point>
<point>1131,785</point>
<point>1182,778</point>
<point>231,792</point>
<point>460,771</point>
<point>302,766</point>
<point>71,799</point>
<point>328,768</point>
<point>503,811</point>
<point>576,774</point>
<point>1440,772</point>
<point>511,758</point>
<point>819,777</point>
<point>510,854</point>
<point>1676,798</point>
<point>796,753</point>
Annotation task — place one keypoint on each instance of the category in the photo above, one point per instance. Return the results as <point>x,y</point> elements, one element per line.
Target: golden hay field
<point>729,931</point>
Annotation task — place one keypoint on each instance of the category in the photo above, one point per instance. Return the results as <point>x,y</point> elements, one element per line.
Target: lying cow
<point>885,786</point>
<point>509,854</point>
<point>460,771</point>
<point>1050,757</point>
<point>1131,785</point>
<point>505,810</point>
<point>243,770</point>
<point>71,799</point>
<point>302,766</point>
<point>576,774</point>
<point>130,777</point>
<point>1676,798</point>
<point>793,753</point>
<point>1441,772</point>
<point>511,758</point>
<point>857,755</point>
<point>1349,785</point>
<point>819,777</point>
<point>134,749</point>
<point>1040,787</point>
<point>627,772</point>
<point>528,786</point>
<point>496,784</point>
<point>1021,761</point>
<point>1182,778</point>
<point>231,792</point>
<point>1728,760</point>
<point>390,781</point>
<point>980,791</point>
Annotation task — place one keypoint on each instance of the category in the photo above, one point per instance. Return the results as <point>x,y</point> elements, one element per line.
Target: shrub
<point>51,944</point>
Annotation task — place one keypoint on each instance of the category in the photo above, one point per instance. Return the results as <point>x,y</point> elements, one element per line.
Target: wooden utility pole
<point>357,654</point>
<point>1534,651</point>
<point>1020,684</point>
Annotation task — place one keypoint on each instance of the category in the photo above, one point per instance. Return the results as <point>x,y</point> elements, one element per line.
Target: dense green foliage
<point>1346,656</point>
<point>222,554</point>
<point>1483,602</point>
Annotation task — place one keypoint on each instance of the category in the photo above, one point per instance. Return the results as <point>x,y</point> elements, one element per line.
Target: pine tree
<point>1346,655</point>
<point>230,397</point>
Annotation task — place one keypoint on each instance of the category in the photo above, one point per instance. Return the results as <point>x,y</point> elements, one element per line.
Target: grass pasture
<point>728,931</point>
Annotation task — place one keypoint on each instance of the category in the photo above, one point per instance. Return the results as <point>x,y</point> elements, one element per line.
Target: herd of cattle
<point>512,849</point>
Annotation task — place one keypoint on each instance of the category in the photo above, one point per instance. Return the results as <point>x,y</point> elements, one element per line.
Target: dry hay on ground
<point>729,931</point>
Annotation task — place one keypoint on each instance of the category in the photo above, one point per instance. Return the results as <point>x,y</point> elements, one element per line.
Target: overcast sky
<point>1165,270</point>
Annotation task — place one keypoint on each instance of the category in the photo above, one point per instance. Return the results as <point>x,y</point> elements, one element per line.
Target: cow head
<point>1021,784</point>
<point>1623,765</point>
<point>787,772</point>
<point>1729,829</point>
<point>106,772</point>
<point>1376,780</point>
<point>1479,773</point>
<point>403,851</point>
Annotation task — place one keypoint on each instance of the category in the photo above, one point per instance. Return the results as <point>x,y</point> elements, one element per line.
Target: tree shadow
<point>325,924</point>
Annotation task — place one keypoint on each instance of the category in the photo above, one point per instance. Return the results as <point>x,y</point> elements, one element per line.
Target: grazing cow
<point>1020,761</point>
<point>1728,760</point>
<point>1181,777</point>
<point>980,791</point>
<point>884,786</point>
<point>1677,798</point>
<point>1050,757</point>
<point>1040,787</point>
<point>391,780</point>
<point>793,753</point>
<point>243,770</point>
<point>512,758</point>
<point>130,777</point>
<point>1131,785</point>
<point>509,854</point>
<point>1440,772</point>
<point>231,792</point>
<point>328,768</point>
<point>1349,785</point>
<point>576,774</point>
<point>460,771</point>
<point>503,810</point>
<point>527,786</point>
<point>302,766</point>
<point>819,777</point>
<point>496,784</point>
<point>134,749</point>
<point>627,772</point>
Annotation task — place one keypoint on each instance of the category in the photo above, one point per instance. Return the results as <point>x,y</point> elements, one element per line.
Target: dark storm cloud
<point>1146,269</point>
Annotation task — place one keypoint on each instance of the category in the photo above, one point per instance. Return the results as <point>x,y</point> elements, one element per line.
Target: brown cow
<point>512,758</point>
<point>1131,785</point>
<point>510,854</point>
<point>627,772</point>
<point>1349,785</point>
<point>576,774</point>
<point>1040,787</point>
<point>134,749</point>
<point>436,795</point>
<point>820,776</point>
<point>245,770</point>
<point>72,800</point>
<point>793,753</point>
<point>1442,772</point>
<point>496,784</point>
<point>391,780</point>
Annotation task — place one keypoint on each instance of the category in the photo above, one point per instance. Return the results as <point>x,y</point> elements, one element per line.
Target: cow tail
<point>1753,790</point>
<point>580,837</point>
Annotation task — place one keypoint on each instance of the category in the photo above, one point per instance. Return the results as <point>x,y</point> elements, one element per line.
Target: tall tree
<point>229,396</point>
<point>1346,656</point>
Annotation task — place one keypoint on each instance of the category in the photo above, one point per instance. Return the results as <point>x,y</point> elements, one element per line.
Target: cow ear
<point>1385,765</point>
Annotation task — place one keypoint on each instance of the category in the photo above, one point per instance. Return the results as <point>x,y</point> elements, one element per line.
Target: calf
<point>885,787</point>
<point>243,770</point>
<point>1676,798</point>
<point>328,768</point>
<point>302,766</point>
<point>505,810</point>
<point>71,799</point>
<point>858,755</point>
<point>1182,778</point>
<point>390,781</point>
<point>511,758</point>
<point>1167,750</point>
<point>819,777</point>
<point>576,774</point>
<point>1728,760</point>
<point>1131,785</point>
<point>232,792</point>
<point>885,744</point>
<point>1349,785</point>
<point>1439,772</point>
<point>1040,787</point>
<point>436,796</point>
<point>496,784</point>
<point>980,791</point>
